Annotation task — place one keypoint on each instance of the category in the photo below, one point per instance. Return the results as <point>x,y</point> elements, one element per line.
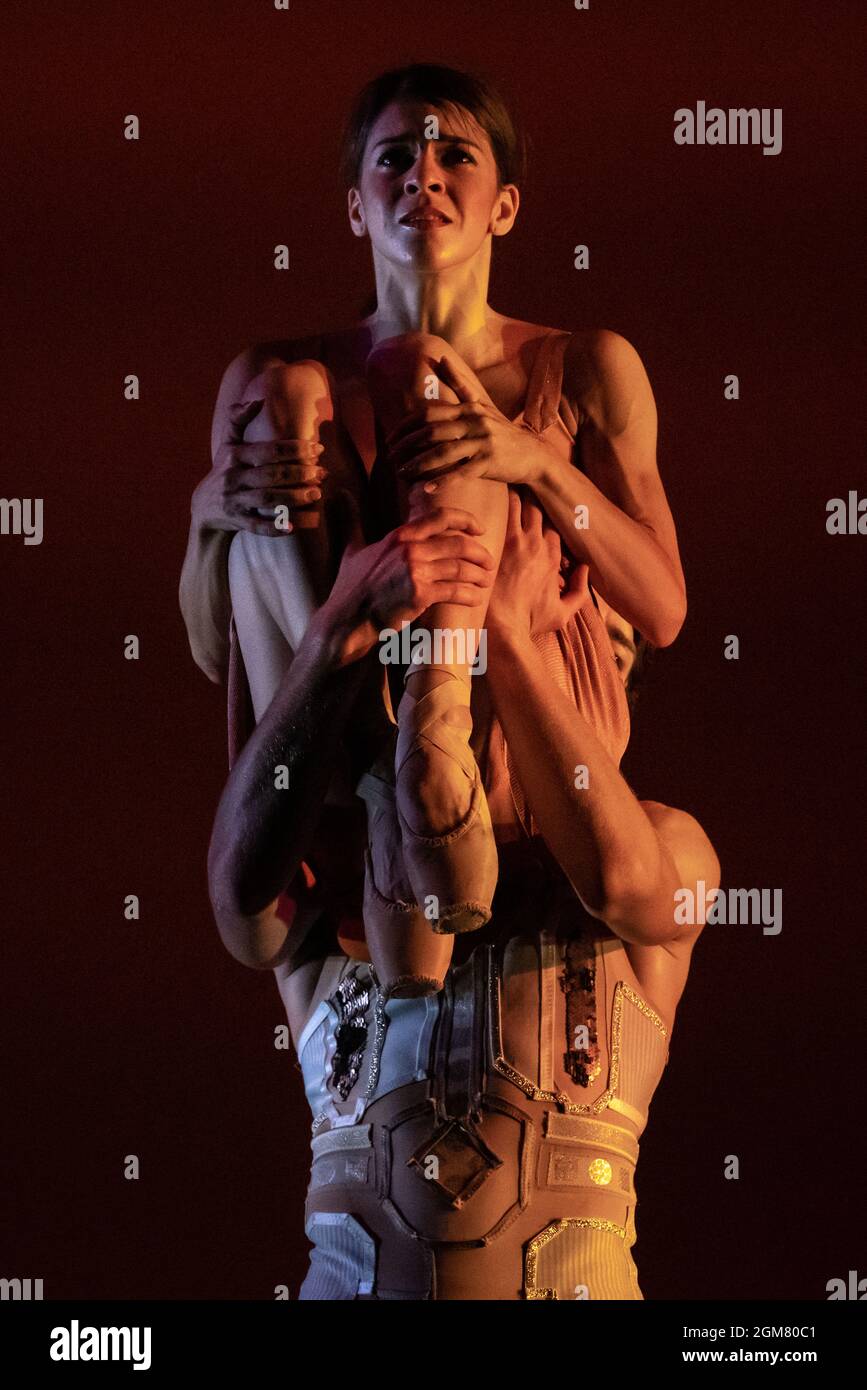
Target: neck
<point>451,304</point>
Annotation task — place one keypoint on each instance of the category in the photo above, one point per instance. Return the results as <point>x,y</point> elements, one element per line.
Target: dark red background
<point>156,258</point>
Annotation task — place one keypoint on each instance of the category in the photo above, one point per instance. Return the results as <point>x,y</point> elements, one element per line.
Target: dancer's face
<point>621,635</point>
<point>455,175</point>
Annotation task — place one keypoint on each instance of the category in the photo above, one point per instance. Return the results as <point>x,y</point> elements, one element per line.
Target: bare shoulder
<point>686,839</point>
<point>662,969</point>
<point>601,349</point>
<point>605,378</point>
<point>690,848</point>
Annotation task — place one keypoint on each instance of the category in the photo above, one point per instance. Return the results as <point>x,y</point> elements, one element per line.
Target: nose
<point>424,172</point>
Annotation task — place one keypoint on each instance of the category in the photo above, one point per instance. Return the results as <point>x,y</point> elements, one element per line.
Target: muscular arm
<point>261,833</point>
<point>623,867</point>
<point>630,542</point>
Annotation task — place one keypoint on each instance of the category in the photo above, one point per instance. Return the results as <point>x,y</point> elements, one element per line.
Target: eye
<point>460,154</point>
<point>395,154</point>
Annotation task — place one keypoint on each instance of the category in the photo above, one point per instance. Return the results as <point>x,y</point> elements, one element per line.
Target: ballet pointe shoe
<point>408,959</point>
<point>454,872</point>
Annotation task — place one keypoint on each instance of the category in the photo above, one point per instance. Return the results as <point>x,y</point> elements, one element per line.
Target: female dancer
<point>433,165</point>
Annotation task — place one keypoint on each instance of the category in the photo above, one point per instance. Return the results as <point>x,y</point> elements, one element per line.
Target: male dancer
<point>482,1142</point>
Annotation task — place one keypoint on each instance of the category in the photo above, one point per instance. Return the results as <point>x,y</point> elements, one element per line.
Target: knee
<point>400,371</point>
<point>406,351</point>
<point>298,396</point>
<point>292,381</point>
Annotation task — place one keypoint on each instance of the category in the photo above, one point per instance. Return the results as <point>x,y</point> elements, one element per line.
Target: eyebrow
<point>617,636</point>
<point>410,134</point>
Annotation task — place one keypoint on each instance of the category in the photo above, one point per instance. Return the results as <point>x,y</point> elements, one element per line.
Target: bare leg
<point>294,576</point>
<point>447,834</point>
<point>299,405</point>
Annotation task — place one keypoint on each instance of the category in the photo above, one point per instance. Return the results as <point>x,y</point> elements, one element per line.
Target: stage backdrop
<point>155,257</point>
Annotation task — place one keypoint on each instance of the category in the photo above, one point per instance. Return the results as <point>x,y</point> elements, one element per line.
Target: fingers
<point>434,413</point>
<point>451,376</point>
<point>296,485</point>
<point>513,523</point>
<point>453,592</point>
<point>421,487</point>
<point>455,546</point>
<point>450,579</point>
<point>405,448</point>
<point>454,570</point>
<point>259,525</point>
<point>577,583</point>
<point>443,457</point>
<point>240,415</point>
<point>524,517</point>
<point>278,475</point>
<point>573,592</point>
<point>439,520</point>
<point>291,497</point>
<point>244,505</point>
<point>513,535</point>
<point>274,451</point>
<point>553,545</point>
<point>531,516</point>
<point>464,382</point>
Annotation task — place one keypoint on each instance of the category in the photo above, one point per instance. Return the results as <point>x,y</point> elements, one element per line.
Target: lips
<point>425,217</point>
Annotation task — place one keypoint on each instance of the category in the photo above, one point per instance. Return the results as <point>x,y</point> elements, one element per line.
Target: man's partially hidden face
<point>621,635</point>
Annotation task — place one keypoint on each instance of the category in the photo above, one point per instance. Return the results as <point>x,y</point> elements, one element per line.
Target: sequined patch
<point>578,983</point>
<point>351,999</point>
<point>600,1172</point>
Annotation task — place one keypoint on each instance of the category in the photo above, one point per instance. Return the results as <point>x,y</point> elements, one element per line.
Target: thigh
<point>272,602</point>
<point>276,583</point>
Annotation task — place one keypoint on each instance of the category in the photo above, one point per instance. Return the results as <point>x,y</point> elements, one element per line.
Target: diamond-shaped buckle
<point>461,1162</point>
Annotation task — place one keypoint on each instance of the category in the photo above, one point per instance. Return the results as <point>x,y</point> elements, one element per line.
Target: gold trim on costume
<point>621,991</point>
<point>594,1223</point>
<point>568,1129</point>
